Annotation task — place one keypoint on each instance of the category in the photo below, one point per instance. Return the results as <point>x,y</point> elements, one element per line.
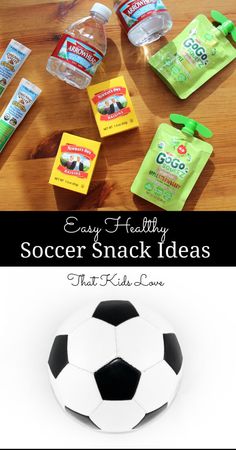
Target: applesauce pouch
<point>196,54</point>
<point>173,164</point>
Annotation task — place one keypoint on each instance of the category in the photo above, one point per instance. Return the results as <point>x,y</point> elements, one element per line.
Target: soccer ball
<point>115,365</point>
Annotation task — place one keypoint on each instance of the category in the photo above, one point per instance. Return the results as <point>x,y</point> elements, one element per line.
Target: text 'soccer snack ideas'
<point>112,107</point>
<point>196,54</point>
<point>75,162</point>
<point>173,164</point>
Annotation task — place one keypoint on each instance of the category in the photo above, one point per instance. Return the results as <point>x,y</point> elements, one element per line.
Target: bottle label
<point>132,12</point>
<point>78,53</point>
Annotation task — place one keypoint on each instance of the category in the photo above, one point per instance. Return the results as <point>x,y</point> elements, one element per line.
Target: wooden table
<point>27,160</point>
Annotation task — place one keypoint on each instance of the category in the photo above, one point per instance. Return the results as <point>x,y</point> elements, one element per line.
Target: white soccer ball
<point>115,365</point>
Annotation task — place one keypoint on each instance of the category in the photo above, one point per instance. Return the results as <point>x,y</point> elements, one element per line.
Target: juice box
<point>75,162</point>
<point>112,107</point>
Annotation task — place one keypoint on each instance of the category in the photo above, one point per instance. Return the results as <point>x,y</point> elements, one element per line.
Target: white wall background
<point>199,302</point>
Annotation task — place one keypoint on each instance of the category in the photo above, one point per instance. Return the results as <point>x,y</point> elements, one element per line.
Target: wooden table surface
<point>27,160</point>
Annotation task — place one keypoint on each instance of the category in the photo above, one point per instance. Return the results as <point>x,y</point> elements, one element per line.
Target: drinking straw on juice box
<point>10,63</point>
<point>24,97</point>
<point>75,162</point>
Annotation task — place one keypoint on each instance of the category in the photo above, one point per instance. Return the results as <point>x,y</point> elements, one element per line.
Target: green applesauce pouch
<point>173,164</point>
<point>196,54</point>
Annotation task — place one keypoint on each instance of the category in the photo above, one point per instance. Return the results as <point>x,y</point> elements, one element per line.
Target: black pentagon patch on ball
<point>172,352</point>
<point>58,357</point>
<point>115,312</point>
<point>118,380</point>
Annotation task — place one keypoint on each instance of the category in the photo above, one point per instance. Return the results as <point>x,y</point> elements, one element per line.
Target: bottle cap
<point>227,26</point>
<point>102,10</point>
<point>190,125</point>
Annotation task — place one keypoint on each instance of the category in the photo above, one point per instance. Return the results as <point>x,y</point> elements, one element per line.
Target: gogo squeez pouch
<point>196,54</point>
<point>173,164</point>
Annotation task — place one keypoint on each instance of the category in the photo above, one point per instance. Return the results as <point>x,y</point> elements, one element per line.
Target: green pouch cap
<point>173,164</point>
<point>196,54</point>
<point>227,26</point>
<point>191,126</point>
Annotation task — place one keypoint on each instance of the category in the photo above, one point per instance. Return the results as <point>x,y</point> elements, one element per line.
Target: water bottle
<point>81,48</point>
<point>144,21</point>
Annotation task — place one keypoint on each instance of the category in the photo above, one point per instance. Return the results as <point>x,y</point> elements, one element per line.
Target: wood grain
<point>27,160</point>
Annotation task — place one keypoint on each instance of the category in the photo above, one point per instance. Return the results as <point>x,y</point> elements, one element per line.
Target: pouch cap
<point>227,26</point>
<point>191,125</point>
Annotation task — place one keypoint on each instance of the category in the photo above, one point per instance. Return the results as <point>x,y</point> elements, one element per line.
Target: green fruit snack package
<point>196,54</point>
<point>173,164</point>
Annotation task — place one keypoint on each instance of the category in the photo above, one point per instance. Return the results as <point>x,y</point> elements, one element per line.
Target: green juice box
<point>196,54</point>
<point>173,164</point>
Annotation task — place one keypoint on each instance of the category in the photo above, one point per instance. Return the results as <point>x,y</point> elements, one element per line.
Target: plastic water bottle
<point>144,21</point>
<point>81,48</point>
